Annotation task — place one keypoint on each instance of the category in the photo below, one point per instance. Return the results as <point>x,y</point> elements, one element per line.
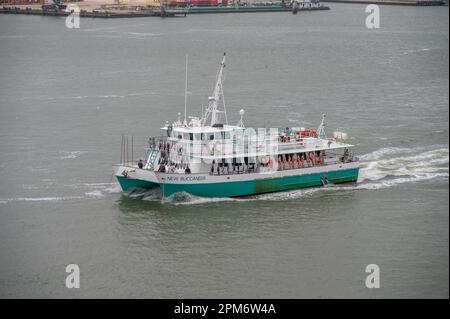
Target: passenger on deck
<point>290,164</point>
<point>302,164</point>
<point>346,155</point>
<point>212,167</point>
<point>283,162</point>
<point>295,161</point>
<point>187,170</point>
<point>288,134</point>
<point>312,159</point>
<point>162,168</point>
<point>140,164</point>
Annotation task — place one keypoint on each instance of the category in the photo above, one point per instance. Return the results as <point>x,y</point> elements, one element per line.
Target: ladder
<point>152,156</point>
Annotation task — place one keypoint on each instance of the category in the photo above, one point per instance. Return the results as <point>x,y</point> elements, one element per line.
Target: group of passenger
<point>300,160</point>
<point>285,135</point>
<point>172,167</point>
<point>223,167</point>
<point>164,147</point>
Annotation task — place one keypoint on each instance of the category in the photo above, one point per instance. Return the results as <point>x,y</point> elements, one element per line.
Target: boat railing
<point>230,169</point>
<point>156,141</point>
<point>335,158</point>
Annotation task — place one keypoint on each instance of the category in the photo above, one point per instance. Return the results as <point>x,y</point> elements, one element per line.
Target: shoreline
<point>156,11</point>
<point>152,12</point>
<point>415,3</point>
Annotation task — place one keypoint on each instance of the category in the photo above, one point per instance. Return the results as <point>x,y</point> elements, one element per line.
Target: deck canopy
<point>283,148</point>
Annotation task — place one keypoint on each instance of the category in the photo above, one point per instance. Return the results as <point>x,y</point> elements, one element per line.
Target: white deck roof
<point>203,129</point>
<point>333,146</point>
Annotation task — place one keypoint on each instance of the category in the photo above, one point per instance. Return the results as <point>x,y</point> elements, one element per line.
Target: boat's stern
<point>130,177</point>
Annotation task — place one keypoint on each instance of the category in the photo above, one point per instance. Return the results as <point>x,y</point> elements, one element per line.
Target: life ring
<point>306,133</point>
<point>218,148</point>
<point>264,160</point>
<point>211,148</point>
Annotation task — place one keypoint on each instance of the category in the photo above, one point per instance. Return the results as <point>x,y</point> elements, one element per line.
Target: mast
<point>213,101</point>
<point>321,128</point>
<point>185,93</point>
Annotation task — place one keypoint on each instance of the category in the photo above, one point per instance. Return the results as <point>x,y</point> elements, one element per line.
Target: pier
<point>156,12</point>
<point>393,2</point>
<point>97,14</point>
<point>164,9</point>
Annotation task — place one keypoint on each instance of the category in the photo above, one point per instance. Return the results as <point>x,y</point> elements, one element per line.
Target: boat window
<point>197,136</point>
<point>186,136</point>
<point>211,137</point>
<point>218,135</point>
<point>227,135</point>
<point>191,136</point>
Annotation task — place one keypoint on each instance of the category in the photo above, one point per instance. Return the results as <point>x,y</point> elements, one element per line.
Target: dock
<point>421,3</point>
<point>107,10</point>
<point>252,8</point>
<point>168,12</point>
<point>156,12</point>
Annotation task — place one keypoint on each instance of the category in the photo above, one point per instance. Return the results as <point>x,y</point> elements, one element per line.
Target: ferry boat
<point>205,156</point>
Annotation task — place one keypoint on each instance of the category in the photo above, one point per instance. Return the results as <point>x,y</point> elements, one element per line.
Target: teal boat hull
<point>247,188</point>
<point>130,183</point>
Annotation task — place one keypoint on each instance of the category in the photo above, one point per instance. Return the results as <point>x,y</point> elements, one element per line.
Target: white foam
<point>102,189</point>
<point>417,51</point>
<point>39,199</point>
<point>96,194</point>
<point>423,165</point>
<point>382,152</point>
<point>382,169</point>
<point>144,34</point>
<point>70,154</point>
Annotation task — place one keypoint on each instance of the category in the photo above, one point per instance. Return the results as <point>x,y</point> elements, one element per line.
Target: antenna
<point>321,128</point>
<point>241,121</point>
<point>185,92</point>
<point>213,101</point>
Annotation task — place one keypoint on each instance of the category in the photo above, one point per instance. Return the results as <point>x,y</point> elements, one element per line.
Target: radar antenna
<point>321,129</point>
<point>213,101</point>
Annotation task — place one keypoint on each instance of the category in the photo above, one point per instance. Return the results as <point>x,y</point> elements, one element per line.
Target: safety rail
<point>230,169</point>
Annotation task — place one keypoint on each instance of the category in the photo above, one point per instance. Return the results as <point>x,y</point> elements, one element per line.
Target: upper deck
<point>229,141</point>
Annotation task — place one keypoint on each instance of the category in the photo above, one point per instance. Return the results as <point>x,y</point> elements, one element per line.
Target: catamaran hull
<point>242,184</point>
<point>261,186</point>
